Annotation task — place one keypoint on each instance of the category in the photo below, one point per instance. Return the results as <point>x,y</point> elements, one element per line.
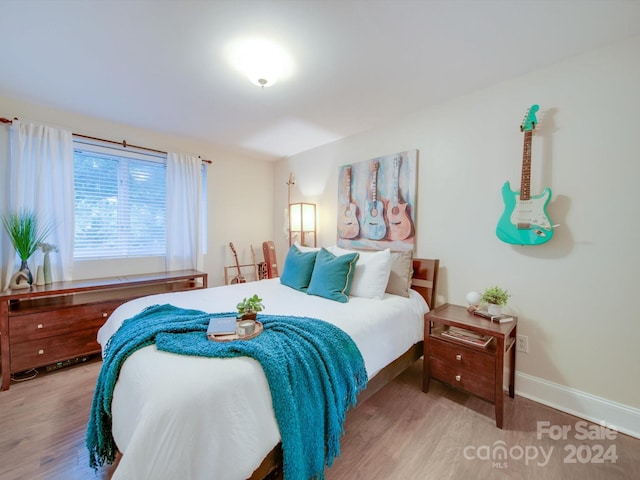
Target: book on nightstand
<point>466,336</point>
<point>502,318</point>
<point>494,318</point>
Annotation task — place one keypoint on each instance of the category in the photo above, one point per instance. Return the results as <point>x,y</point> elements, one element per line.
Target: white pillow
<point>372,272</point>
<point>305,249</point>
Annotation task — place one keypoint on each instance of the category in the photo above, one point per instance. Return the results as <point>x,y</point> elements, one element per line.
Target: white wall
<point>240,190</point>
<point>575,296</point>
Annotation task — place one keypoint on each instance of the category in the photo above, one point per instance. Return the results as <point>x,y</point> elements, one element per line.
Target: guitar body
<point>348,226</point>
<point>374,226</point>
<point>524,222</point>
<point>399,222</point>
<point>269,252</point>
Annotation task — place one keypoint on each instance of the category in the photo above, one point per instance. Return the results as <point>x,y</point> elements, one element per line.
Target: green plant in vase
<point>249,307</point>
<point>496,298</point>
<point>25,234</point>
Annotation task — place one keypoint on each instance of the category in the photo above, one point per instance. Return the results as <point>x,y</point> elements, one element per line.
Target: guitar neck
<point>235,257</point>
<point>396,174</point>
<point>347,184</point>
<point>374,182</point>
<point>525,180</point>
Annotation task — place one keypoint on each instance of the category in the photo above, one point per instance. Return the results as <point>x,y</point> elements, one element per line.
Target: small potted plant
<point>496,298</point>
<point>249,307</point>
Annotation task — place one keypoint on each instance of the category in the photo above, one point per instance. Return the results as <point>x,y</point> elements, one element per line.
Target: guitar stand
<point>261,270</point>
<point>233,268</point>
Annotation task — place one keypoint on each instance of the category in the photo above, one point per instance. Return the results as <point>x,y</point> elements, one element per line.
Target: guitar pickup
<point>524,226</point>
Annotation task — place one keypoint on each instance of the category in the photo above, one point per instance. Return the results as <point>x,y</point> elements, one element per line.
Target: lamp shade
<point>302,223</point>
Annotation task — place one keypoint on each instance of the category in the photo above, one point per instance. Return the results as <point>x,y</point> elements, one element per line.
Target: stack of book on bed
<point>467,336</point>
<point>219,326</point>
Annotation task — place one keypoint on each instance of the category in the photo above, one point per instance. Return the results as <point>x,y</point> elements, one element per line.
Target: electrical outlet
<point>522,343</point>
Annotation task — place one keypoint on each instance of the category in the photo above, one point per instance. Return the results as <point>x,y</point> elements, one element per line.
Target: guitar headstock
<point>233,249</point>
<point>530,121</point>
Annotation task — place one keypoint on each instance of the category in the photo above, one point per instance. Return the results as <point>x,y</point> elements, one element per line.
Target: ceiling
<point>161,65</point>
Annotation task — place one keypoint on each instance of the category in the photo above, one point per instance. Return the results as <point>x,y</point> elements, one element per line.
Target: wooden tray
<point>235,336</point>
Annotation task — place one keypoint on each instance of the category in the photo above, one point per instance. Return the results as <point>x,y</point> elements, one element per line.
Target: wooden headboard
<point>425,279</point>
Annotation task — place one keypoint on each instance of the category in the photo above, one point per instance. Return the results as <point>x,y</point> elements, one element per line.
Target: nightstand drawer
<point>59,322</point>
<point>34,353</point>
<point>481,363</point>
<point>456,376</point>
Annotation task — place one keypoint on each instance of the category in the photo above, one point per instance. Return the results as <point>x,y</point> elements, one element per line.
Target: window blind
<point>120,204</point>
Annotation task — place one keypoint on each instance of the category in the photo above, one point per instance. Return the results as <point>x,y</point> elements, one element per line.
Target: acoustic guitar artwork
<point>348,226</point>
<point>398,218</point>
<point>525,220</point>
<point>374,225</point>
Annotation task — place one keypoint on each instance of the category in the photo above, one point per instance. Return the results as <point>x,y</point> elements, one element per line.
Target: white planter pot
<point>494,309</point>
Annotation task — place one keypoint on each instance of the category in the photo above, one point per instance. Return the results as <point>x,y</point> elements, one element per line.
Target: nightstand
<point>474,369</point>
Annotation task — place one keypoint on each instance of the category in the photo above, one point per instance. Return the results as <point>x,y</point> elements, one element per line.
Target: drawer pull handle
<point>40,352</point>
<point>40,325</point>
<point>458,378</point>
<point>458,357</point>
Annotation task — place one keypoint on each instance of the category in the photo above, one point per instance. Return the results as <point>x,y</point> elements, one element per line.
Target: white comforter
<point>178,417</point>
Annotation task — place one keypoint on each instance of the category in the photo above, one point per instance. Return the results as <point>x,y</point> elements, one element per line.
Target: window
<point>120,199</point>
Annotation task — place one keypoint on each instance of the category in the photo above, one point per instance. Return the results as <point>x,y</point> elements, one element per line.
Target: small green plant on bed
<point>496,296</point>
<point>250,306</point>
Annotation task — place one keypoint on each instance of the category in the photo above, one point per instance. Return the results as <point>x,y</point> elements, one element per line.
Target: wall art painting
<point>376,203</point>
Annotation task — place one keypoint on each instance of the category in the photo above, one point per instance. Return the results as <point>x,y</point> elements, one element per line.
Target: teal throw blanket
<point>314,370</point>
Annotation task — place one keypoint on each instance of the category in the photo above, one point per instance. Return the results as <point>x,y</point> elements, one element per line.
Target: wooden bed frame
<point>424,281</point>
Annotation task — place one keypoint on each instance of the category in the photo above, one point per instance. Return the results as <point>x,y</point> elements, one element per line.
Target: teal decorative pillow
<point>298,267</point>
<point>332,276</point>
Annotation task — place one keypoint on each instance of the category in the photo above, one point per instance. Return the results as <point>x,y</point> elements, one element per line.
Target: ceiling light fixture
<point>261,60</point>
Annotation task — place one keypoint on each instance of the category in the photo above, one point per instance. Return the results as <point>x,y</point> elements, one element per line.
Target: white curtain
<point>6,249</point>
<point>184,213</point>
<point>39,178</point>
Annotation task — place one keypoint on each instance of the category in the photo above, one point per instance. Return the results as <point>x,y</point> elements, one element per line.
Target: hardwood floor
<point>399,433</point>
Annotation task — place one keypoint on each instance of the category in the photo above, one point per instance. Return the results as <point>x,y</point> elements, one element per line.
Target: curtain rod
<point>124,143</point>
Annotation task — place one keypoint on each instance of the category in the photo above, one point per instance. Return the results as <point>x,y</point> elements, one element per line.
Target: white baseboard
<point>623,418</point>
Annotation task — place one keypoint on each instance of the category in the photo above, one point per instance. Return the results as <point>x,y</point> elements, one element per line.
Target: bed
<point>177,416</point>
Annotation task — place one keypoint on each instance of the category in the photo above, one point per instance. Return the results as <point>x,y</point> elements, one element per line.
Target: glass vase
<point>47,269</point>
<point>25,268</point>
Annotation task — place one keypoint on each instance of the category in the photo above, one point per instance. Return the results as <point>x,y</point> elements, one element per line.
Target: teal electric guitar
<point>525,220</point>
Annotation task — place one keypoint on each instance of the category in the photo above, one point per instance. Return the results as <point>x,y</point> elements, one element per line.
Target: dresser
<point>475,369</point>
<point>43,325</point>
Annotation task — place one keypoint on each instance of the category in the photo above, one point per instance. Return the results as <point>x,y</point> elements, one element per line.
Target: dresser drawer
<point>35,353</point>
<point>62,321</point>
<point>466,358</point>
<point>454,375</point>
